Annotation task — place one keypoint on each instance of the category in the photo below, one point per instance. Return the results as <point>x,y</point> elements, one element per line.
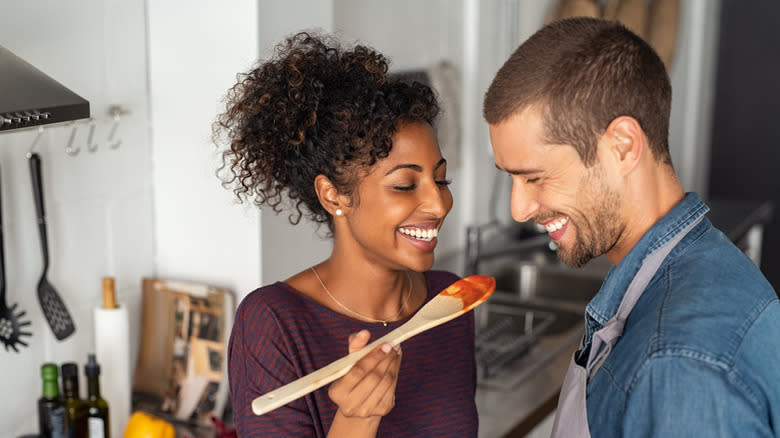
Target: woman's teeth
<point>420,234</point>
<point>555,226</point>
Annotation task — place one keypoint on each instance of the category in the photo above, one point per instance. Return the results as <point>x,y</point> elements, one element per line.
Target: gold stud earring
<point>338,212</point>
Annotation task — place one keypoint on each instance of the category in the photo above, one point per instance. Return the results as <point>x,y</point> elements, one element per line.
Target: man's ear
<point>625,142</point>
<point>330,198</point>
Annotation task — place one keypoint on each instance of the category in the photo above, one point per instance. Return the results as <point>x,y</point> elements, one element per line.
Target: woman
<point>355,150</point>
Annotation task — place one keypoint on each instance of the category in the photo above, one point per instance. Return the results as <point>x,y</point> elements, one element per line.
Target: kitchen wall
<point>152,207</point>
<point>98,205</point>
<point>195,50</point>
<point>287,248</point>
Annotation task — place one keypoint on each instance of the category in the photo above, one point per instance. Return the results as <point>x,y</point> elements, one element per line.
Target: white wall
<point>98,205</point>
<point>287,249</point>
<point>195,51</point>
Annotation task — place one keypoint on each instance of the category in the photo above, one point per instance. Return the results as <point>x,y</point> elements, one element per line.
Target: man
<point>683,339</point>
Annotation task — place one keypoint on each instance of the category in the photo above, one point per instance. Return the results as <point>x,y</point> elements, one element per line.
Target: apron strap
<point>613,329</point>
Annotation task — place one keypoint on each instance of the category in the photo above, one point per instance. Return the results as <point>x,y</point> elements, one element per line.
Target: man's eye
<point>532,180</point>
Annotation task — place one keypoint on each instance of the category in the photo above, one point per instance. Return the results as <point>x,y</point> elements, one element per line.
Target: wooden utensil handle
<point>310,382</point>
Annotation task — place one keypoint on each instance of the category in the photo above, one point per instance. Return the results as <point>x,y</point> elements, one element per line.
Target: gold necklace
<point>364,317</point>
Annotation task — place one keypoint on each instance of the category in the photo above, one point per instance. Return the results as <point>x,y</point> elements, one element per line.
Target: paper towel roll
<point>112,348</point>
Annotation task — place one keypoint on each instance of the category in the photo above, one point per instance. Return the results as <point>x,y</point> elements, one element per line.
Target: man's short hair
<point>583,73</point>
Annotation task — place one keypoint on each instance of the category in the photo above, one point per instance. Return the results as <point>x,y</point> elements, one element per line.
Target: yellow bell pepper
<point>143,425</point>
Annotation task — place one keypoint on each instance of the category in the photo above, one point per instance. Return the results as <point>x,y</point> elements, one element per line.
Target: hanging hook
<point>35,142</point>
<point>115,111</point>
<point>91,146</point>
<point>69,148</point>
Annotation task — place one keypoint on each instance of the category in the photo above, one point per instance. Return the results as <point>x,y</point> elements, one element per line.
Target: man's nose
<point>523,203</point>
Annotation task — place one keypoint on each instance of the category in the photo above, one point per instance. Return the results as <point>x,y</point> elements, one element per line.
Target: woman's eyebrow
<point>414,167</point>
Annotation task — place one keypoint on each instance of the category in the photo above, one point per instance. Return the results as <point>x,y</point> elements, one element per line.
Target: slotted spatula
<point>457,299</point>
<point>53,307</point>
<point>11,324</point>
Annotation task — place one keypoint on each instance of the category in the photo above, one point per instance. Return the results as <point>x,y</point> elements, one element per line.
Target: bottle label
<point>96,428</point>
<point>57,421</point>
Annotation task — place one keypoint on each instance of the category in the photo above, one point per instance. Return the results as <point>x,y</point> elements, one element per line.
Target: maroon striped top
<point>280,335</point>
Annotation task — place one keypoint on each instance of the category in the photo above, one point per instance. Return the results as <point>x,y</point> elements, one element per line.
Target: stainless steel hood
<point>29,97</point>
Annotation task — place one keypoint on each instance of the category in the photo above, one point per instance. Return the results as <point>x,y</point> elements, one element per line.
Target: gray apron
<point>571,420</point>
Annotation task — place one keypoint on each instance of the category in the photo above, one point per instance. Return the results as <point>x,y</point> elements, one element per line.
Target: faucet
<point>510,239</point>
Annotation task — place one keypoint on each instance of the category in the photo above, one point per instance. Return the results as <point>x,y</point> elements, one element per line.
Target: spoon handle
<point>312,381</point>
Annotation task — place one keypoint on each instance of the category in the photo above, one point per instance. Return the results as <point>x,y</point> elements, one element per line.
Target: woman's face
<point>402,202</point>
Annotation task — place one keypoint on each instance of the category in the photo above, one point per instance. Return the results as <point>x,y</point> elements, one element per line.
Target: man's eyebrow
<point>518,171</point>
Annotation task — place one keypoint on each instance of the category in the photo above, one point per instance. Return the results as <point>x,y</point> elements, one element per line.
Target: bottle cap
<point>69,370</point>
<point>70,377</point>
<point>49,371</point>
<point>91,369</point>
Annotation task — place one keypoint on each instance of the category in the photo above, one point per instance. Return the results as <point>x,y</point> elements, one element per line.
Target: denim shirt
<point>700,352</point>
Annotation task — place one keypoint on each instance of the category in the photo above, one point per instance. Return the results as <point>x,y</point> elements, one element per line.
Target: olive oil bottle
<point>76,409</point>
<point>51,407</point>
<point>97,418</point>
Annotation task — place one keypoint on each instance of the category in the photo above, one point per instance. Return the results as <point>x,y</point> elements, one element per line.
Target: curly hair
<point>313,108</point>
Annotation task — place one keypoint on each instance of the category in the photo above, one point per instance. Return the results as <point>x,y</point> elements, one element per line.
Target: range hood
<point>29,97</point>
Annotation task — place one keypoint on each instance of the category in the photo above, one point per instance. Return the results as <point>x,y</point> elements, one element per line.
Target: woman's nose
<point>523,204</point>
<point>437,201</point>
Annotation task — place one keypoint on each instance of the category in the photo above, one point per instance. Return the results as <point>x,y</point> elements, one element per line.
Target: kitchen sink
<point>535,314</point>
<point>529,281</point>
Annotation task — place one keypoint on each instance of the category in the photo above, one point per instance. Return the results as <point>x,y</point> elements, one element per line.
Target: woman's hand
<point>367,392</point>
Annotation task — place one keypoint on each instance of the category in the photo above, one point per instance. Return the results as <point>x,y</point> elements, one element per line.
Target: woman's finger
<point>377,389</point>
<point>358,340</point>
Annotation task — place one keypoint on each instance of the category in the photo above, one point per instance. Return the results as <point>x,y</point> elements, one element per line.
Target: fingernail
<point>386,348</point>
<point>397,348</point>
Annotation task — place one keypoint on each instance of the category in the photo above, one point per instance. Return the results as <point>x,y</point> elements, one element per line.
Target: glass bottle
<point>97,419</point>
<point>76,409</point>
<point>51,407</point>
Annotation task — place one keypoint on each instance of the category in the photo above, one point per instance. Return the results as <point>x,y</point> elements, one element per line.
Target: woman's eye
<point>443,182</point>
<point>405,188</point>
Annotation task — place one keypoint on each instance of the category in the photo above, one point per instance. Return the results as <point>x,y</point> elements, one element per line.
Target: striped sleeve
<point>259,361</point>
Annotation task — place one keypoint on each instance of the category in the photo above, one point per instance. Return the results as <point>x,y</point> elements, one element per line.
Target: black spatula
<point>11,324</point>
<point>53,307</point>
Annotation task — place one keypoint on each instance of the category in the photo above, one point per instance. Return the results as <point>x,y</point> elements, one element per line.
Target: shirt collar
<point>606,302</point>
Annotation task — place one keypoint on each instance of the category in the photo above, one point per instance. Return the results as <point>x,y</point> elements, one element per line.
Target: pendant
<point>384,323</point>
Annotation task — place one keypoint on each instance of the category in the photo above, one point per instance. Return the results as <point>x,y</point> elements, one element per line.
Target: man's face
<point>551,186</point>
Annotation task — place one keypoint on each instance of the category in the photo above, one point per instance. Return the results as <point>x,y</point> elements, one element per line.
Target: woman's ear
<point>626,143</point>
<point>330,198</point>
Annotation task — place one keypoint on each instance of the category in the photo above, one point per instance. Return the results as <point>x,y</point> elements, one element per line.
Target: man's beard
<point>599,234</point>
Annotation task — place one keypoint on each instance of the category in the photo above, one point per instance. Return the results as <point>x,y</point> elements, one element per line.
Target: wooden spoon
<point>457,299</point>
